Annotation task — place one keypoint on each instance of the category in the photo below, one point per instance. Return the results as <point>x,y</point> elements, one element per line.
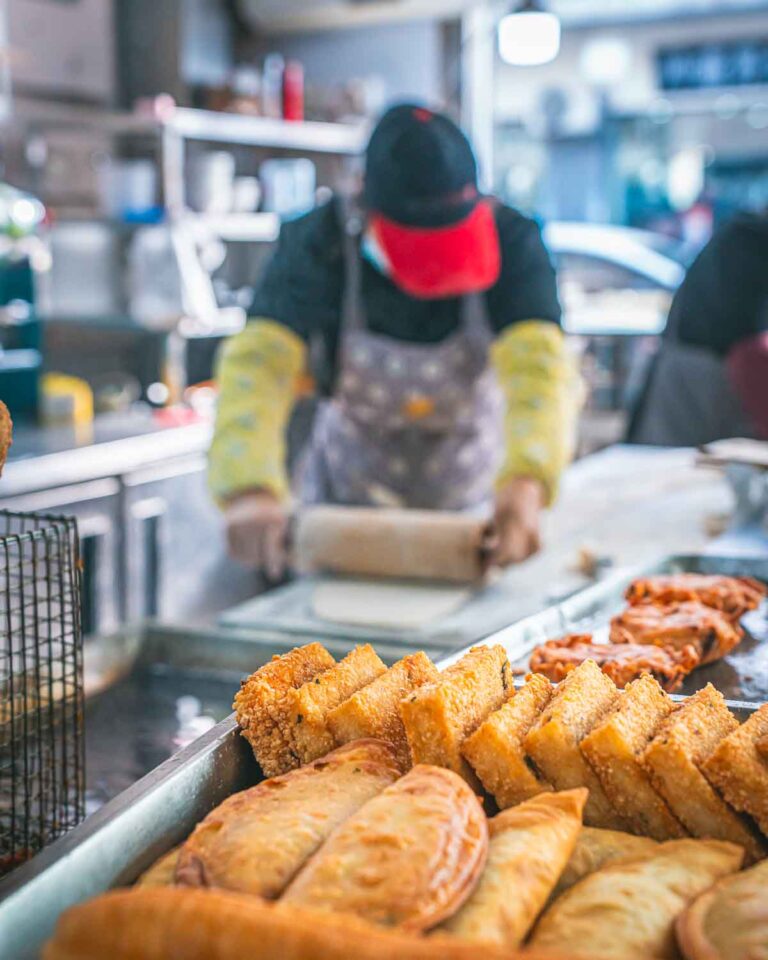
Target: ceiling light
<point>529,36</point>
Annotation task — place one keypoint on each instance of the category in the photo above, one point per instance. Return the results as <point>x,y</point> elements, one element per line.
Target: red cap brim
<point>432,263</point>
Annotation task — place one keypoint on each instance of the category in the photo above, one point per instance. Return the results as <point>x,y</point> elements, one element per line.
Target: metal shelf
<point>346,139</point>
<point>310,136</point>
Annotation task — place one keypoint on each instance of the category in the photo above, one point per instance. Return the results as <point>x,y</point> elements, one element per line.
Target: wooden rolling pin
<point>415,544</point>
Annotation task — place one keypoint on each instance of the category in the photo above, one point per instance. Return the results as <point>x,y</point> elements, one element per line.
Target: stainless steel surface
<point>115,845</point>
<point>742,676</point>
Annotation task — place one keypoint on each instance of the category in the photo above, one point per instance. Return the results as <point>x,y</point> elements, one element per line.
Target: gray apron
<point>409,425</point>
<point>689,400</point>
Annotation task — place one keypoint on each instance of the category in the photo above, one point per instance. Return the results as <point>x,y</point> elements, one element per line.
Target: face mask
<point>373,253</point>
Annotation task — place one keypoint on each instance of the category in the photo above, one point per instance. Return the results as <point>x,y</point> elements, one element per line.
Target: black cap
<point>420,169</point>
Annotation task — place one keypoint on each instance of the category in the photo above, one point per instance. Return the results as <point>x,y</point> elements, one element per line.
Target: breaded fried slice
<point>613,750</point>
<point>439,716</point>
<point>218,925</point>
<point>260,697</point>
<point>257,840</point>
<point>495,750</point>
<point>303,713</point>
<point>6,434</point>
<point>580,701</point>
<point>162,873</point>
<point>673,758</point>
<point>739,771</point>
<point>529,847</point>
<point>627,911</point>
<point>409,858</point>
<point>597,848</point>
<point>374,711</point>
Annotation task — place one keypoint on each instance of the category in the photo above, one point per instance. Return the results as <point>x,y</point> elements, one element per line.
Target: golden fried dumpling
<point>409,858</point>
<point>729,921</point>
<point>597,848</point>
<point>186,924</point>
<point>162,873</point>
<point>529,846</point>
<point>257,840</point>
<point>627,911</point>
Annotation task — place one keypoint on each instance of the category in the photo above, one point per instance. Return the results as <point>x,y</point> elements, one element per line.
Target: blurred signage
<point>711,65</point>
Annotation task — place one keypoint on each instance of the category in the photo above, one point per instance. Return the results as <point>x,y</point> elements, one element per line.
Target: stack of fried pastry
<point>674,623</point>
<point>381,847</point>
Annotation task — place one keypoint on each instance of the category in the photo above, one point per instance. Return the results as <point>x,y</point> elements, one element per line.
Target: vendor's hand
<point>257,526</point>
<point>514,532</point>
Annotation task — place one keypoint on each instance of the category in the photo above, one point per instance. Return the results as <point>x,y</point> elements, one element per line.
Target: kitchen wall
<point>408,57</point>
<point>520,92</point>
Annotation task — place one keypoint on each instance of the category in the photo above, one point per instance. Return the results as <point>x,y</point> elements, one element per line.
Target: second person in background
<point>429,316</point>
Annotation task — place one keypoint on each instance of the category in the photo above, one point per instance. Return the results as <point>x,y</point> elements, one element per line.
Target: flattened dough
<point>392,604</point>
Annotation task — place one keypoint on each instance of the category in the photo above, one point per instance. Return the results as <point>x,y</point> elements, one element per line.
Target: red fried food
<point>622,662</point>
<point>733,596</point>
<point>677,625</point>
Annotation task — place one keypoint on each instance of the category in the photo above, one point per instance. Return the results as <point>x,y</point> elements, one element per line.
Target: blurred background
<point>151,148</point>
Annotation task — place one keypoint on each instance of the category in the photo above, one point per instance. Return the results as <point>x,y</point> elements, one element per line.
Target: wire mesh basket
<point>42,776</point>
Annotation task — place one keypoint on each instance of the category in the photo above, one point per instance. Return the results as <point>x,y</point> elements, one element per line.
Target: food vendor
<point>709,380</point>
<point>428,314</point>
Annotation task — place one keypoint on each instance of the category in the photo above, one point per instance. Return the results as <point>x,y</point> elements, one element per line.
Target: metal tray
<point>742,676</point>
<point>115,845</point>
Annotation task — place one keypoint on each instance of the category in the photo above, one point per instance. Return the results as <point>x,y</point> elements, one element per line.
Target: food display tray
<point>741,677</point>
<point>115,845</point>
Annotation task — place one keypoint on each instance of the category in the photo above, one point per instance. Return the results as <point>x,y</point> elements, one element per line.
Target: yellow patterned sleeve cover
<point>258,371</point>
<point>544,395</point>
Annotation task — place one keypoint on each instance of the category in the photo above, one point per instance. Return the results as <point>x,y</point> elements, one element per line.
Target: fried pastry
<point>259,701</point>
<point>739,771</point>
<point>673,758</point>
<point>627,911</point>
<point>6,434</point>
<point>217,925</point>
<point>528,849</point>
<point>597,848</point>
<point>409,858</point>
<point>677,626</point>
<point>761,746</point>
<point>579,702</point>
<point>162,873</point>
<point>257,840</point>
<point>439,716</point>
<point>303,716</point>
<point>374,711</point>
<point>729,921</point>
<point>613,749</point>
<point>622,662</point>
<point>733,596</point>
<point>495,750</point>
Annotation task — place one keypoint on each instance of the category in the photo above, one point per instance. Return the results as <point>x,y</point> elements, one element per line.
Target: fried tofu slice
<point>613,750</point>
<point>580,701</point>
<point>682,743</point>
<point>739,770</point>
<point>303,713</point>
<point>374,711</point>
<point>439,716</point>
<point>529,847</point>
<point>495,750</point>
<point>6,434</point>
<point>259,702</point>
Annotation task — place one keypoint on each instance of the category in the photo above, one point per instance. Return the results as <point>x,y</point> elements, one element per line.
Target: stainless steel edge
<point>115,845</point>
